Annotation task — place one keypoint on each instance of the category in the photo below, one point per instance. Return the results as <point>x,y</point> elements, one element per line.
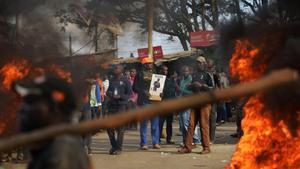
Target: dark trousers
<point>95,112</point>
<point>169,121</point>
<point>86,115</point>
<point>116,135</point>
<point>239,118</point>
<point>222,112</point>
<point>130,106</point>
<point>202,116</point>
<point>212,122</point>
<point>228,106</point>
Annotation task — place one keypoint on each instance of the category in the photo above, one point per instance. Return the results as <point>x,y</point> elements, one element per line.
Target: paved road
<point>165,158</point>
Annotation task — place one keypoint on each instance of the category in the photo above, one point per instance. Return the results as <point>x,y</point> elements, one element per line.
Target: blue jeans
<point>184,120</point>
<point>222,112</point>
<point>154,131</point>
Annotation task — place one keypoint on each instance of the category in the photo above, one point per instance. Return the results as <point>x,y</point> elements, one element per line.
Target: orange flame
<point>264,145</point>
<point>61,73</point>
<point>19,69</point>
<point>13,71</point>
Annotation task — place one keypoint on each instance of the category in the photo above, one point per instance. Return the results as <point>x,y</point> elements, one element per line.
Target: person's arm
<point>137,84</point>
<point>185,90</point>
<point>98,95</point>
<point>127,92</point>
<point>109,91</point>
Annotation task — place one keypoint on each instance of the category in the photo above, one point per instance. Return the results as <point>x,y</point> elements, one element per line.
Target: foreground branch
<point>271,81</point>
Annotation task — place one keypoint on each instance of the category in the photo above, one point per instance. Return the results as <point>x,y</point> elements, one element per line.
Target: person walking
<point>118,92</point>
<point>141,86</point>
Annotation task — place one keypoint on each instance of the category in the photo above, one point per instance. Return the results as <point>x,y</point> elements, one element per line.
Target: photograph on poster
<point>157,86</point>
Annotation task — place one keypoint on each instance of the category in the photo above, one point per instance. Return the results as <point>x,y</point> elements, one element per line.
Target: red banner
<point>157,52</point>
<point>204,38</point>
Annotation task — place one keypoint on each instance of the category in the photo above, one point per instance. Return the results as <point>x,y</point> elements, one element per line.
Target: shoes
<point>178,134</point>
<point>194,145</point>
<point>89,150</point>
<point>144,147</point>
<point>170,142</point>
<point>235,135</point>
<point>156,146</point>
<point>116,152</point>
<point>184,150</point>
<point>205,151</point>
<point>111,150</point>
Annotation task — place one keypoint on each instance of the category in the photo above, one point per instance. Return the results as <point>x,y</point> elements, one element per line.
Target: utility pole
<point>70,45</point>
<point>150,27</point>
<point>96,38</point>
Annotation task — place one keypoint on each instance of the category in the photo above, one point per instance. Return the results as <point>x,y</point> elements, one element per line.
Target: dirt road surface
<point>165,158</point>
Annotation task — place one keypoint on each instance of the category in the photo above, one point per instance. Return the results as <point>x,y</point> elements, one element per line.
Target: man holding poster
<point>144,86</point>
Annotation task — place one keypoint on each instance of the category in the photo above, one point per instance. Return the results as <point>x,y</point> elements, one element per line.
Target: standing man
<point>183,90</point>
<point>211,69</point>
<point>201,83</point>
<point>141,86</point>
<point>169,92</point>
<point>118,92</point>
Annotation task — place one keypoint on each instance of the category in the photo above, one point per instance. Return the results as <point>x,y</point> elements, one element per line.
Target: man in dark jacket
<point>49,101</point>
<point>202,82</point>
<point>118,92</point>
<point>169,92</point>
<point>141,86</point>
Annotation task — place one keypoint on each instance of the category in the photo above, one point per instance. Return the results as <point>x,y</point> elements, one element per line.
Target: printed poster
<point>157,87</point>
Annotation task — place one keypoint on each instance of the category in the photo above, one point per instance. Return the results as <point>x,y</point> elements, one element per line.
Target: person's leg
<point>180,122</point>
<point>112,138</point>
<point>204,125</point>
<point>239,123</point>
<point>169,128</point>
<point>87,117</point>
<point>120,137</point>
<point>155,130</point>
<point>196,137</point>
<point>191,129</point>
<point>161,126</point>
<point>228,106</point>
<point>94,112</point>
<point>186,123</point>
<point>143,133</point>
<point>212,122</point>
<point>224,112</point>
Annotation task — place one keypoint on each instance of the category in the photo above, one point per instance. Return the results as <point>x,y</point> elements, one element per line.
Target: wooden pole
<point>272,81</point>
<point>150,27</point>
<point>70,45</point>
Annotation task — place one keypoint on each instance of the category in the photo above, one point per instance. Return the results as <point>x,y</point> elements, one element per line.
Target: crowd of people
<point>128,89</point>
<point>125,89</point>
